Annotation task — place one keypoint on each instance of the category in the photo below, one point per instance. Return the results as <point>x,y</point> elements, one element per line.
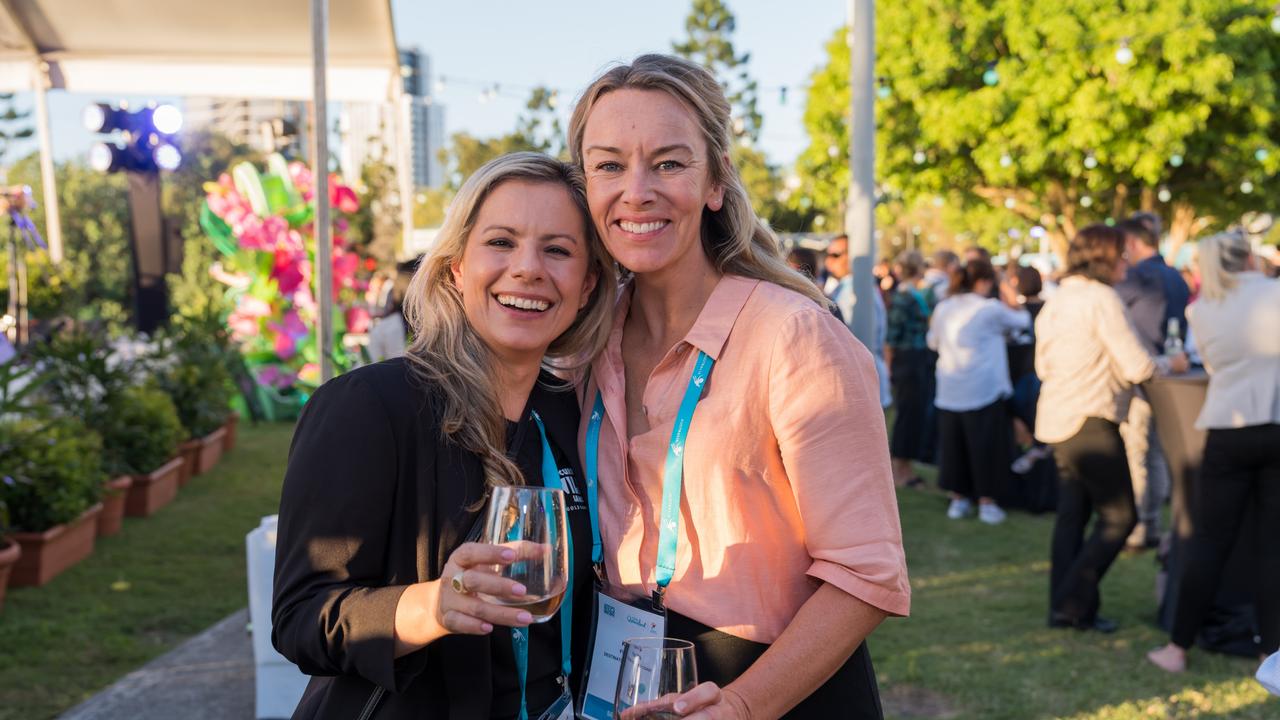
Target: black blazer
<point>374,500</point>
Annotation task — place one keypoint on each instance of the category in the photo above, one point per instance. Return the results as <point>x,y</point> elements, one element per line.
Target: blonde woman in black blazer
<point>390,464</point>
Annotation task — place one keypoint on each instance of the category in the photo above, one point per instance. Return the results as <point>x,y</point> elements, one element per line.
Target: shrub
<point>53,470</point>
<point>142,431</point>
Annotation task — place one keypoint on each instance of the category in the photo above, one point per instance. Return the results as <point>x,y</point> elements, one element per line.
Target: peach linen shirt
<point>786,466</point>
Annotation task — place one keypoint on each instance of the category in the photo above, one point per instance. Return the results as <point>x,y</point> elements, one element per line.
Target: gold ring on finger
<point>458,584</point>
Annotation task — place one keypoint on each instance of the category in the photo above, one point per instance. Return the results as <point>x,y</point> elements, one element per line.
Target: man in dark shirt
<point>1152,293</point>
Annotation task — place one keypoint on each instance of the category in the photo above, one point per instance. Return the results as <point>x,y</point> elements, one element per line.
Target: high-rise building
<point>265,125</point>
<point>368,129</point>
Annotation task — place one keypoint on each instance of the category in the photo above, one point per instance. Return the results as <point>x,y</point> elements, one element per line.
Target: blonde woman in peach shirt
<point>789,546</point>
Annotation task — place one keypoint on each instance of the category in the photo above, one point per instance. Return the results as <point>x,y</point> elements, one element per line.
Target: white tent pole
<point>859,221</point>
<point>320,171</point>
<point>52,218</point>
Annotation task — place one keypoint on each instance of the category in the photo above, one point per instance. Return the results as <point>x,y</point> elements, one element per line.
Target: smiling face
<point>524,272</point>
<point>648,180</point>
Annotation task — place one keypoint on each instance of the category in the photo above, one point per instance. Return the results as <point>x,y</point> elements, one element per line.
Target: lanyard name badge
<point>562,708</point>
<point>617,621</point>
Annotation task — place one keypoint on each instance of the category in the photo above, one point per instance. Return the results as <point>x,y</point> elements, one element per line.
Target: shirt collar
<point>714,323</point>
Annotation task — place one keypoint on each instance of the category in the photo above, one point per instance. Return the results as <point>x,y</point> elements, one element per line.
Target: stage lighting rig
<point>148,135</point>
<point>141,143</point>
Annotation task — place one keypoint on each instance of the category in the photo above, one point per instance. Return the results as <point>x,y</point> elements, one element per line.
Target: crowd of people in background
<point>1026,390</point>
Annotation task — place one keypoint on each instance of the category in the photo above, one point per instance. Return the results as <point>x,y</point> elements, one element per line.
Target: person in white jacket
<point>1236,322</point>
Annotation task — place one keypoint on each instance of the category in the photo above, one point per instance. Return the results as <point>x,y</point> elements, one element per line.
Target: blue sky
<point>563,44</point>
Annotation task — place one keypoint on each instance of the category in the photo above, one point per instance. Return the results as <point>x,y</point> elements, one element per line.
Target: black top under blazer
<point>374,500</point>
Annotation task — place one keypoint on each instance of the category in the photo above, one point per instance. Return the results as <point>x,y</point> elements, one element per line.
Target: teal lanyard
<point>672,475</point>
<point>520,636</point>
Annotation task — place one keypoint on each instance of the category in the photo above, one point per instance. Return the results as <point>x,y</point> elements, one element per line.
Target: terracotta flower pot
<point>46,554</point>
<point>229,440</point>
<point>113,499</point>
<point>190,452</point>
<point>210,451</point>
<point>154,490</point>
<point>10,551</point>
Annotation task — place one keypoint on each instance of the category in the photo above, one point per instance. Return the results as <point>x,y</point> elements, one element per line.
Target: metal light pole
<point>320,172</point>
<point>859,219</point>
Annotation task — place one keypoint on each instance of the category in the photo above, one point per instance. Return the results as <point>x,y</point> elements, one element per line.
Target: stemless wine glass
<point>532,521</point>
<point>654,671</point>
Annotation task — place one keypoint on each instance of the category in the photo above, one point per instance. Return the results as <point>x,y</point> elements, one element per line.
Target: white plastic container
<point>279,682</point>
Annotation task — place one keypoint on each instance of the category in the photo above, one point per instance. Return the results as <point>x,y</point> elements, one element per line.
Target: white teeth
<point>639,228</point>
<point>523,303</point>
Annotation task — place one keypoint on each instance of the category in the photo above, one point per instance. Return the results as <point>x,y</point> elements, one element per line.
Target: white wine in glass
<point>531,521</point>
<point>654,671</point>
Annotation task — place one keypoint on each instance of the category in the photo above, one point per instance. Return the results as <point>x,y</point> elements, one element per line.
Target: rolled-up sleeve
<point>332,611</point>
<point>825,411</point>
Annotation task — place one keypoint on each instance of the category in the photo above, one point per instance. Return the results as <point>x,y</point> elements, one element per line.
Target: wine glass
<point>531,521</point>
<point>654,671</point>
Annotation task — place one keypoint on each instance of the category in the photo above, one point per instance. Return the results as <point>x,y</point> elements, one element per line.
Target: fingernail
<point>486,627</point>
<point>518,589</point>
<point>680,706</point>
<point>508,554</point>
<point>524,617</point>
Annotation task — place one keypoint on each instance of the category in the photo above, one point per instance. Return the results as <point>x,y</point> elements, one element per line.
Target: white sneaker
<point>959,508</point>
<point>991,514</point>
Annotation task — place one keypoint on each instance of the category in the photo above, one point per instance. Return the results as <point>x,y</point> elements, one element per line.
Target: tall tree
<point>1065,113</point>
<point>710,25</point>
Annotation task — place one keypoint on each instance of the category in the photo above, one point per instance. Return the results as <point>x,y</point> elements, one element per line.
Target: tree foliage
<point>709,42</point>
<point>1032,109</point>
<point>13,124</point>
<point>538,129</point>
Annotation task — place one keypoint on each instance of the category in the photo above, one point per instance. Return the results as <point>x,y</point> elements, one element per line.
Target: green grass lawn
<point>976,645</point>
<point>142,592</point>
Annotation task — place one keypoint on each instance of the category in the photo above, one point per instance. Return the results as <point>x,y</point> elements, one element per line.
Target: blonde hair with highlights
<point>1221,257</point>
<point>733,238</point>
<point>449,355</point>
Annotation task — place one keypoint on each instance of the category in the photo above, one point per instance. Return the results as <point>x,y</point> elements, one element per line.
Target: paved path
<point>209,677</point>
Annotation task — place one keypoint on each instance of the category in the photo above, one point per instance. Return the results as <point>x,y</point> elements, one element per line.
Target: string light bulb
<point>1246,187</point>
<point>1086,201</point>
<point>919,157</point>
<point>1275,22</point>
<point>1124,54</point>
<point>1005,160</point>
<point>1261,154</point>
<point>1090,161</point>
<point>1175,160</point>
<point>991,77</point>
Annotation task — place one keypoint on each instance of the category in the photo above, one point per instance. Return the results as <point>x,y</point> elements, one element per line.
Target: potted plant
<point>199,383</point>
<point>54,508</point>
<point>84,372</point>
<point>142,439</point>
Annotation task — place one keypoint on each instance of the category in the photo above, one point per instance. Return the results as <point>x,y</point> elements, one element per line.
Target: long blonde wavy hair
<point>446,351</point>
<point>733,238</point>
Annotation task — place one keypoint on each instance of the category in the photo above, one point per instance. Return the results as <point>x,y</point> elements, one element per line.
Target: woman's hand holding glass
<point>431,610</point>
<point>709,701</point>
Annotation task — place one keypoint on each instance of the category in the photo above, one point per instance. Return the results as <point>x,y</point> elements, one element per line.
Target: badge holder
<point>613,622</point>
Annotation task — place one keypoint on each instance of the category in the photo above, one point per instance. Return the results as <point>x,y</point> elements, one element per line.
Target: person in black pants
<point>1235,325</point>
<point>1088,356</point>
